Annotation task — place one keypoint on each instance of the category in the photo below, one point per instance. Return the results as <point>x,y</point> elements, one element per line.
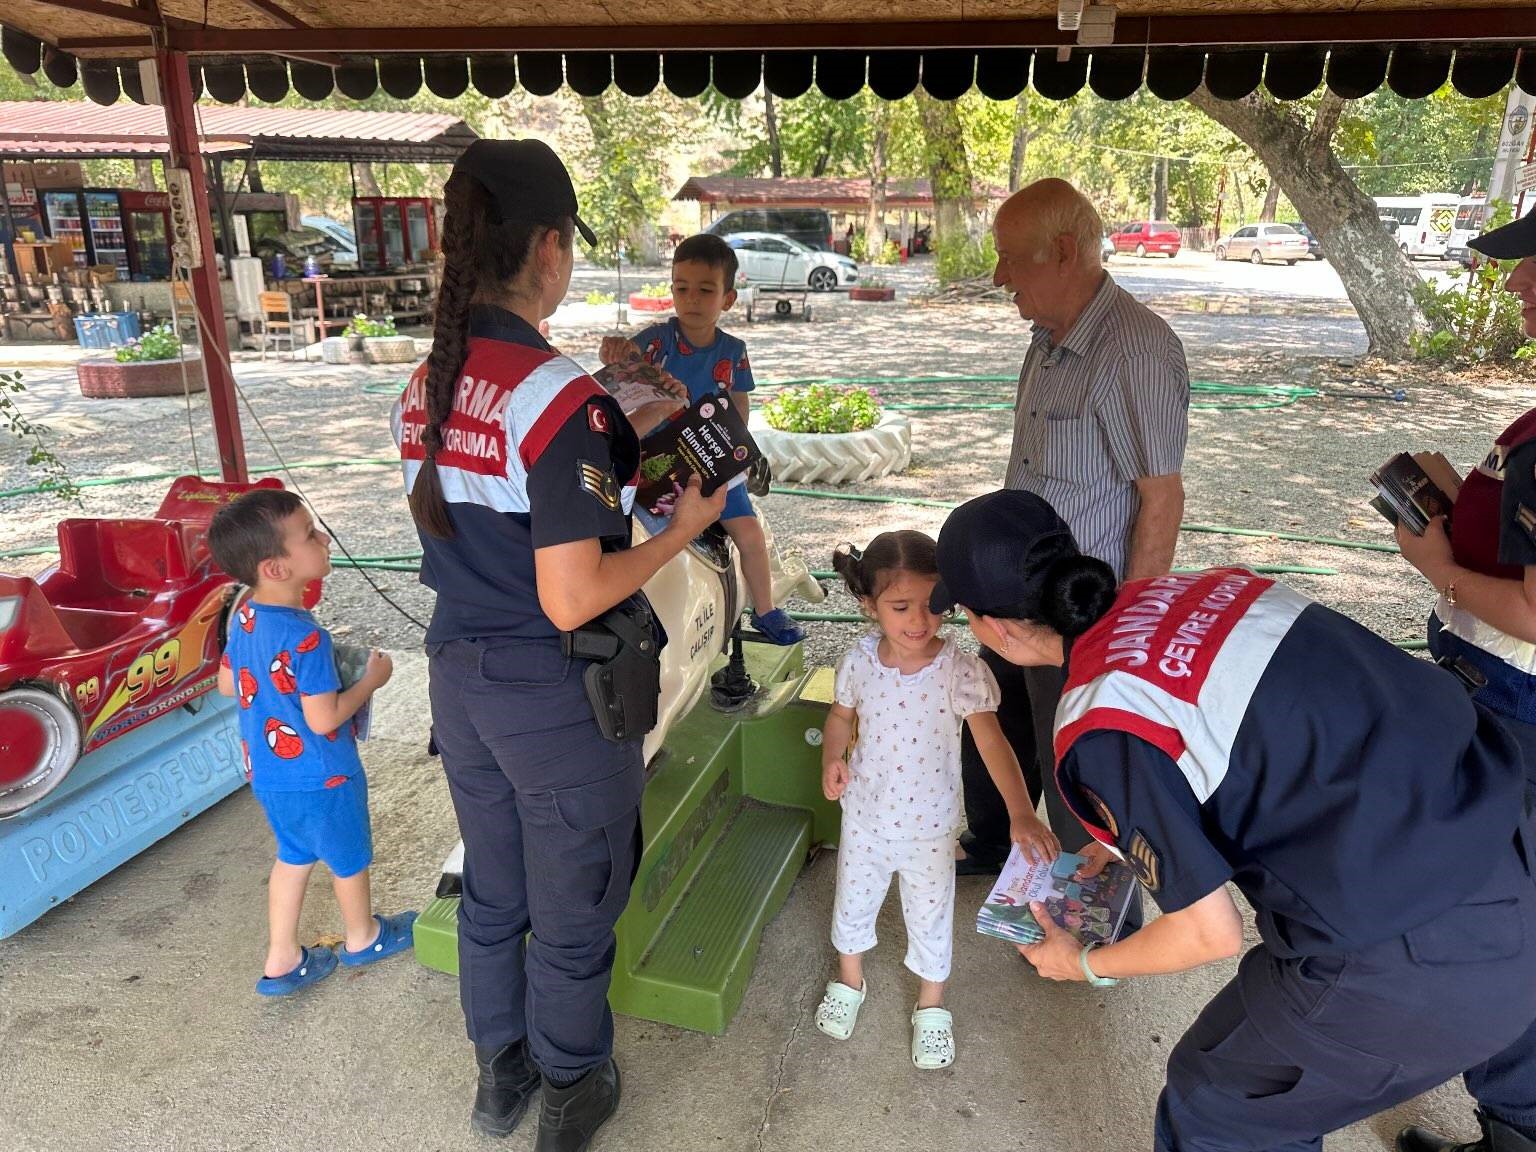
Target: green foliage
<point>1475,323</point>
<point>55,476</point>
<point>890,251</point>
<point>159,343</point>
<point>653,468</point>
<point>656,292</point>
<point>361,325</point>
<point>822,408</point>
<point>964,258</point>
<point>817,136</point>
<point>1406,147</point>
<point>600,297</point>
<point>621,169</point>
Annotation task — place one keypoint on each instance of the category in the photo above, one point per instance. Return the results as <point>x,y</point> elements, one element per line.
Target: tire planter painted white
<point>835,457</point>
<point>336,350</point>
<point>389,349</point>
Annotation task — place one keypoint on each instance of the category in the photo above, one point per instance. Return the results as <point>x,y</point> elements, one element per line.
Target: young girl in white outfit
<point>891,754</point>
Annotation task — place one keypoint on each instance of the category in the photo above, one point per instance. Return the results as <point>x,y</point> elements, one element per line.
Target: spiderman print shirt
<point>278,656</point>
<point>721,367</point>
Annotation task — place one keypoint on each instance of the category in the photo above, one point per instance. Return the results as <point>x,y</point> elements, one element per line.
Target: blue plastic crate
<point>107,329</point>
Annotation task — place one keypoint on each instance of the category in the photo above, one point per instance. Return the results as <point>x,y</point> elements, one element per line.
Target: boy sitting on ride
<point>297,735</point>
<point>707,360</point>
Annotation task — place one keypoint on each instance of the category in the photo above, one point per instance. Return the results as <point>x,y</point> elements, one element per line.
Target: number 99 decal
<point>152,670</point>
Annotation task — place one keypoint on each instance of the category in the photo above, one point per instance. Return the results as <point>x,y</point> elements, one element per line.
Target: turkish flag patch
<point>598,420</point>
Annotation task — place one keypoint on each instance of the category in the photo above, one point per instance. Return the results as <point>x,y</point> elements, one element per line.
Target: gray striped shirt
<point>1104,408</point>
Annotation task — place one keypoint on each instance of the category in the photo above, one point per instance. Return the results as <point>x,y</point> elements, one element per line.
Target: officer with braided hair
<point>520,471</point>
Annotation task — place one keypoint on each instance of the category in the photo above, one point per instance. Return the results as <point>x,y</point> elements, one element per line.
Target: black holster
<point>624,681</point>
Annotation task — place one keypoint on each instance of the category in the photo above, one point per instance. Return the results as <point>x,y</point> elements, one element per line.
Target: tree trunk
<point>367,182</point>
<point>1160,189</point>
<point>1271,203</point>
<point>824,157</point>
<point>949,170</point>
<point>1021,135</point>
<point>775,145</point>
<point>253,177</point>
<point>1378,278</point>
<point>1196,215</point>
<point>874,222</point>
<point>144,175</point>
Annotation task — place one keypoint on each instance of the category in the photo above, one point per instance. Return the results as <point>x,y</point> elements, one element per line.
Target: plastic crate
<point>106,329</point>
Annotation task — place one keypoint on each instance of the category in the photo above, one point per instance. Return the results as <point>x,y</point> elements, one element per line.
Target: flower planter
<point>879,295</point>
<point>339,349</point>
<point>389,349</point>
<point>835,457</point>
<point>103,378</point>
<point>650,303</point>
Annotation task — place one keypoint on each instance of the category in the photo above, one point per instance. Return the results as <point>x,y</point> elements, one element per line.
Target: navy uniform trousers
<point>550,816</point>
<point>1294,1048</point>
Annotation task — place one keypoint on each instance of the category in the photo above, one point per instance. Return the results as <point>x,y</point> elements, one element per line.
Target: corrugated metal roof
<point>270,133</point>
<point>70,147</point>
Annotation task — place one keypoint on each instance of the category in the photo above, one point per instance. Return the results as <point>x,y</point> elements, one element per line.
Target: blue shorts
<point>737,503</point>
<point>328,824</point>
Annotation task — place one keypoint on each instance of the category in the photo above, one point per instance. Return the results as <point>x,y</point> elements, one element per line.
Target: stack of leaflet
<point>1092,910</point>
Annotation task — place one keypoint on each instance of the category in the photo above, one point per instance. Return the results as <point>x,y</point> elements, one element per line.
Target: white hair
<point>1070,215</point>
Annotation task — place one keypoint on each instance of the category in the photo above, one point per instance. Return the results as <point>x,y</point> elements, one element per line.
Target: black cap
<point>527,181</point>
<point>995,551</point>
<point>1514,241</point>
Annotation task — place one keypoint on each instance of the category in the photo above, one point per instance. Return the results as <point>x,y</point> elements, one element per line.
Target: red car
<point>1144,237</point>
<point>126,627</point>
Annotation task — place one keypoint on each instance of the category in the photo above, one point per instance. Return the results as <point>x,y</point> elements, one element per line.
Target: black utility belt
<point>623,682</point>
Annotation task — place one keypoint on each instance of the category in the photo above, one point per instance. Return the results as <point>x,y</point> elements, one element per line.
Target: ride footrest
<point>697,969</point>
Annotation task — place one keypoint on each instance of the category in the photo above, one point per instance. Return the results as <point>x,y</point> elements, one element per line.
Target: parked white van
<point>1424,223</point>
<point>1472,217</point>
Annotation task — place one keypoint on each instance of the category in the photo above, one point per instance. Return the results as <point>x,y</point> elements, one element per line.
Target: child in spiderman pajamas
<point>297,735</point>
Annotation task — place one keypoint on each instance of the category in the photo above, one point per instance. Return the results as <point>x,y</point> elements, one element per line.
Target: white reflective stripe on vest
<point>1161,685</point>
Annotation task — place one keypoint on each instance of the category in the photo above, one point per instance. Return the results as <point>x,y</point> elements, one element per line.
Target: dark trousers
<point>550,816</point>
<point>1026,712</point>
<point>1294,1048</point>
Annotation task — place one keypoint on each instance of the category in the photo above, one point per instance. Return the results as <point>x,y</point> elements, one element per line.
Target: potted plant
<point>151,365</point>
<point>652,298</point>
<point>381,343</point>
<point>872,288</point>
<point>831,434</point>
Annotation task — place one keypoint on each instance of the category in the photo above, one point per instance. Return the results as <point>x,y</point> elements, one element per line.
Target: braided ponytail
<point>484,258</point>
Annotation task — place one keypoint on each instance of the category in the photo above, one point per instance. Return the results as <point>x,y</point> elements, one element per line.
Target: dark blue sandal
<point>314,965</point>
<point>778,627</point>
<point>394,936</point>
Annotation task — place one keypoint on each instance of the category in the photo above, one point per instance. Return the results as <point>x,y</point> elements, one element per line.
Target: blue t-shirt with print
<point>277,656</point>
<point>722,365</point>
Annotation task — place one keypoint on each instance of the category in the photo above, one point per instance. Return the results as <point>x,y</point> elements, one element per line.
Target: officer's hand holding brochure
<point>1414,489</point>
<point>1092,910</point>
<point>636,384</point>
<point>710,440</point>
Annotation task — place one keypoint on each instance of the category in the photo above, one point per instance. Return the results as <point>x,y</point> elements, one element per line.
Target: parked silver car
<point>771,260</point>
<point>1258,243</point>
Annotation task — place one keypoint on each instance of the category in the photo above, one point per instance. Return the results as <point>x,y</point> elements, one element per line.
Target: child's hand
<point>1034,838</point>
<point>380,668</point>
<point>834,779</point>
<point>617,349</point>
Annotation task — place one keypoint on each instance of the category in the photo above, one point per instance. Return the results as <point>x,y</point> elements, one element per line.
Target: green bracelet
<point>1095,980</point>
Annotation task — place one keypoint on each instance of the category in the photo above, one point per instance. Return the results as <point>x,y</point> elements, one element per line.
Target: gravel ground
<point>1299,469</point>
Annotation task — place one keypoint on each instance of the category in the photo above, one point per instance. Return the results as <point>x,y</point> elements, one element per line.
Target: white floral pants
<point>865,864</point>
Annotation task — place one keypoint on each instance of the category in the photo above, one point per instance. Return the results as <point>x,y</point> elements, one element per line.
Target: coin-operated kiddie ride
<point>111,735</point>
<point>733,803</point>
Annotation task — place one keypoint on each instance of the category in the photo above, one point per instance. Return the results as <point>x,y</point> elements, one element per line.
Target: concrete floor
<point>128,1021</point>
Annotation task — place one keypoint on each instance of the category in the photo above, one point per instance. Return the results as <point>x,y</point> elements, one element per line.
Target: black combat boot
<point>507,1083</point>
<point>570,1115</point>
<point>1497,1137</point>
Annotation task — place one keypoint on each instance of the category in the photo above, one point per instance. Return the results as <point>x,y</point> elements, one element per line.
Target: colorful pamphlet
<point>1092,910</point>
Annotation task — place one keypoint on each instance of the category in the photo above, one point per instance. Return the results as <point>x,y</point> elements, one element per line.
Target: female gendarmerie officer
<point>1484,565</point>
<point>1218,727</point>
<point>520,473</point>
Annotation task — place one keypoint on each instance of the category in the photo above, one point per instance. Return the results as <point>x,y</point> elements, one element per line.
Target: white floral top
<point>904,770</point>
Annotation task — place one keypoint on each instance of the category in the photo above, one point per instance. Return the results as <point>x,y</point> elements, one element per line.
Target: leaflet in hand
<point>709,440</point>
<point>1092,910</point>
<point>351,663</point>
<point>635,384</point>
<point>1414,489</point>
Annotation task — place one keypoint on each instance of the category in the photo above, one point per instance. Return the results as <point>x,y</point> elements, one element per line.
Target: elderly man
<point>1099,431</point>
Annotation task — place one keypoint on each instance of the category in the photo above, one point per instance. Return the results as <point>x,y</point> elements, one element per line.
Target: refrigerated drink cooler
<point>90,220</point>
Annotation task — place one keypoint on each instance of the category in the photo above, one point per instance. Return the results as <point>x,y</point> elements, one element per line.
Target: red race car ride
<point>128,626</point>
